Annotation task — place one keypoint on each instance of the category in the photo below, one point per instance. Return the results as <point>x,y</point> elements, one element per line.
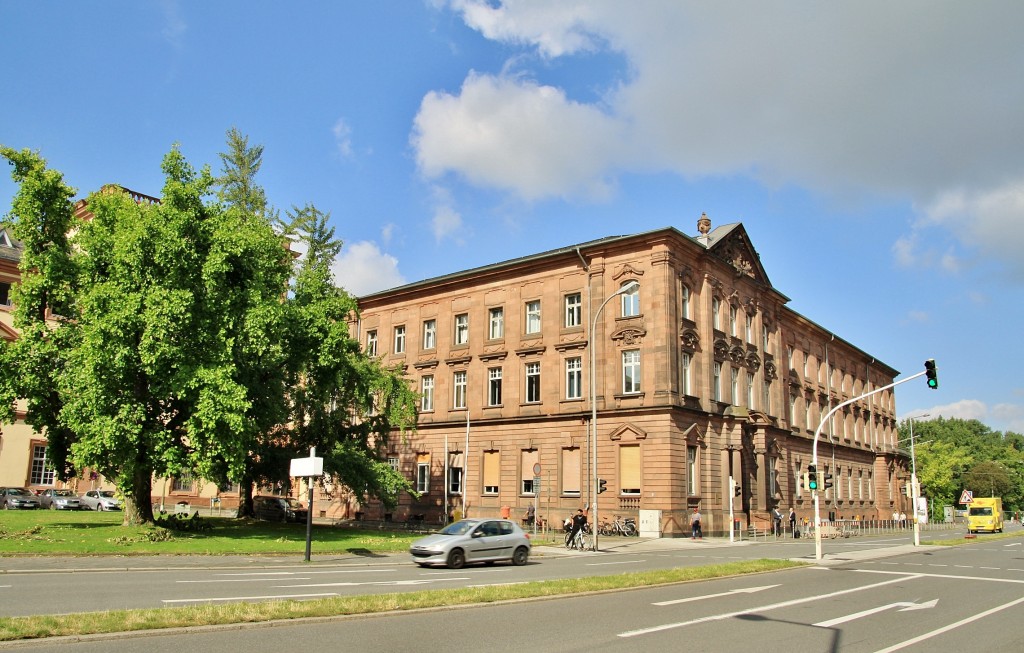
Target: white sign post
<point>308,468</point>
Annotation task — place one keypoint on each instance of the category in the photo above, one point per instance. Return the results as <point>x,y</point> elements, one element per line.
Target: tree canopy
<point>953,455</point>
<point>180,336</point>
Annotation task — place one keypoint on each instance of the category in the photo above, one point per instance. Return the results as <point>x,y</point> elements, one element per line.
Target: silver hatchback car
<point>473,540</point>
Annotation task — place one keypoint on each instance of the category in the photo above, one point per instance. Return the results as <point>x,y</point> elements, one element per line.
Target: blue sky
<point>874,151</point>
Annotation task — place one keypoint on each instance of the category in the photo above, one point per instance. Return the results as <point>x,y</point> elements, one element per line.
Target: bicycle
<point>579,540</point>
<point>626,527</point>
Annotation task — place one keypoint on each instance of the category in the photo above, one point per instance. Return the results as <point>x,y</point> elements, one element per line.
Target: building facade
<point>702,375</point>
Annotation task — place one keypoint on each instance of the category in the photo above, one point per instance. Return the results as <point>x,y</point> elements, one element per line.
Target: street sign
<point>536,469</point>
<point>967,497</point>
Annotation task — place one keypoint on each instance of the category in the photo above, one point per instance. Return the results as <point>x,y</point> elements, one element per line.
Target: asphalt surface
<point>42,564</point>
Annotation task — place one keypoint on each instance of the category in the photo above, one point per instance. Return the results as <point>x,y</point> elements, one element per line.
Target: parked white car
<point>100,500</point>
<point>18,498</point>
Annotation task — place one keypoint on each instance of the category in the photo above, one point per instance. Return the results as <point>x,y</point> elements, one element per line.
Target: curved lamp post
<point>629,287</point>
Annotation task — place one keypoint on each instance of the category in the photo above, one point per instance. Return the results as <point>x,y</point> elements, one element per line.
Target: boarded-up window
<point>492,472</point>
<point>528,458</point>
<point>572,471</point>
<point>629,469</point>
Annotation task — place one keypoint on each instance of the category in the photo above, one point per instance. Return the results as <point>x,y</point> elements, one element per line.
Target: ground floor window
<point>42,472</point>
<point>629,469</point>
<point>572,471</point>
<point>422,472</point>
<point>492,472</point>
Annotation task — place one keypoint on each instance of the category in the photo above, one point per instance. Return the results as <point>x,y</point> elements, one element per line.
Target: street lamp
<point>913,480</point>
<point>629,287</point>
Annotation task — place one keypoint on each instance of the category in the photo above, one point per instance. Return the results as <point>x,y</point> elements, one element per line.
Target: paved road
<point>63,585</point>
<point>935,599</point>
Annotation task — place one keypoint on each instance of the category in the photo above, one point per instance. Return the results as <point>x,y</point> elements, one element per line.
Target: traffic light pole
<point>814,454</point>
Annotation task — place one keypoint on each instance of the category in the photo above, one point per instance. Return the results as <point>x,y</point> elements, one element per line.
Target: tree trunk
<point>138,504</point>
<point>245,499</point>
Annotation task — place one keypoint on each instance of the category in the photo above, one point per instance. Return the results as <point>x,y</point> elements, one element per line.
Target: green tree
<point>988,478</point>
<point>169,360</point>
<point>343,402</point>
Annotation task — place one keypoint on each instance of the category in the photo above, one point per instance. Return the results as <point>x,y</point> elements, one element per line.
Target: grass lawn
<point>48,532</point>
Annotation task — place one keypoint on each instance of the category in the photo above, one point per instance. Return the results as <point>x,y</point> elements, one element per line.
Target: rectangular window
<point>574,378</point>
<point>492,472</point>
<point>459,396</point>
<point>371,342</point>
<point>572,471</point>
<point>631,371</point>
<point>732,321</point>
<point>427,393</point>
<point>716,314</point>
<point>766,397</point>
<point>429,334</point>
<point>631,301</point>
<point>734,385</point>
<point>750,390</point>
<point>685,309</point>
<point>5,293</point>
<point>629,469</point>
<point>182,482</point>
<point>750,328</point>
<point>764,339</point>
<point>42,472</point>
<point>528,458</point>
<point>691,470</point>
<point>716,382</point>
<point>494,386</point>
<point>461,329</point>
<point>393,462</point>
<point>496,328</point>
<point>532,383</point>
<point>422,472</point>
<point>772,475</point>
<point>533,316</point>
<point>455,467</point>
<point>573,310</point>
<point>685,362</point>
<point>400,339</point>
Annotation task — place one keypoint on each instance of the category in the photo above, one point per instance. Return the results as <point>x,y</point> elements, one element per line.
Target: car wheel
<point>456,559</point>
<point>52,506</point>
<point>520,557</point>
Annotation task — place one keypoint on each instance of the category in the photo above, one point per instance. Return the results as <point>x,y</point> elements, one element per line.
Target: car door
<point>485,544</point>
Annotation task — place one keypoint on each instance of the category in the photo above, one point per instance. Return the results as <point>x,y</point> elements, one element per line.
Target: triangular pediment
<point>732,244</point>
<point>5,240</point>
<point>7,333</point>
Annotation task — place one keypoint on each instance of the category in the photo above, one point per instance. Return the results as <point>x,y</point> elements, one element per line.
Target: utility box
<point>650,523</point>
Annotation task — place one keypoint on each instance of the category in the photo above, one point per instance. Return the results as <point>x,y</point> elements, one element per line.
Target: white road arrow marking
<point>746,590</point>
<point>902,605</point>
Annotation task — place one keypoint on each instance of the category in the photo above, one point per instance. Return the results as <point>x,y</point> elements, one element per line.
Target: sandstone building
<point>702,373</point>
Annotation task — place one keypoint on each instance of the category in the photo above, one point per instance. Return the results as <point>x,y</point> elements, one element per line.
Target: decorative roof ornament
<point>704,224</point>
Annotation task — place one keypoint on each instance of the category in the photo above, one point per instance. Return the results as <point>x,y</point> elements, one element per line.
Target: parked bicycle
<point>619,526</point>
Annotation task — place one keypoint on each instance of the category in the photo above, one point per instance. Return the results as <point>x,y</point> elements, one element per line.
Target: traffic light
<point>931,373</point>
<point>826,480</point>
<point>737,489</point>
<point>602,485</point>
<point>812,477</point>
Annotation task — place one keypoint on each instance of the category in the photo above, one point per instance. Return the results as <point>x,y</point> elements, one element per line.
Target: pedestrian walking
<point>695,529</point>
<point>792,521</point>
<point>777,521</point>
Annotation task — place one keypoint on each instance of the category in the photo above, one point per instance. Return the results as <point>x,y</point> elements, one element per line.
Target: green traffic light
<point>931,373</point>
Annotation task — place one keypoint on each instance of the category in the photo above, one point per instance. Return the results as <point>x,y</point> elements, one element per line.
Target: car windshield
<point>106,494</point>
<point>981,512</point>
<point>295,504</point>
<point>18,491</point>
<point>459,527</point>
<point>61,493</point>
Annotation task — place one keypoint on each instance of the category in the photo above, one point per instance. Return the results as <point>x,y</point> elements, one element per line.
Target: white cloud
<point>175,26</point>
<point>342,137</point>
<point>963,409</point>
<point>387,232</point>
<point>362,268</point>
<point>986,219</point>
<point>516,135</point>
<point>833,97</point>
<point>446,222</point>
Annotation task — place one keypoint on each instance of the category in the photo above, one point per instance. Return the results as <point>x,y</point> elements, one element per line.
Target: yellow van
<point>985,514</point>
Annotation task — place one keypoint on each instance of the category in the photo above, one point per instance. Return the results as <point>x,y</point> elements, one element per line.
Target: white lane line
<point>764,608</point>
<point>380,583</point>
<point>746,590</point>
<point>902,605</point>
<point>918,574</point>
<point>605,564</point>
<point>946,629</point>
<point>235,580</point>
<point>251,598</point>
<point>309,571</point>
